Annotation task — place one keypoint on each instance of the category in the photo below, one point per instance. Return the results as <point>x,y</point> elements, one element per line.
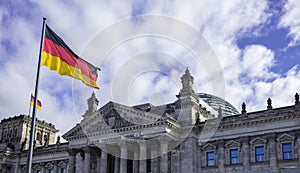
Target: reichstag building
<point>197,133</point>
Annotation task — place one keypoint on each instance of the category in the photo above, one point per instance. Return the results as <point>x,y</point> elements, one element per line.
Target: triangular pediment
<point>109,117</point>
<point>209,147</point>
<point>258,140</point>
<point>232,143</point>
<point>285,137</point>
<point>49,165</point>
<point>62,164</point>
<point>37,167</point>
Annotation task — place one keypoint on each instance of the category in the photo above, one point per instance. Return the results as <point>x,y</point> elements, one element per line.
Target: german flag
<point>39,104</point>
<point>59,57</point>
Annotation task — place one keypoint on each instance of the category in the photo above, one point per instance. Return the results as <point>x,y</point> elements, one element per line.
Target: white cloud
<point>220,22</point>
<point>291,20</point>
<point>257,61</point>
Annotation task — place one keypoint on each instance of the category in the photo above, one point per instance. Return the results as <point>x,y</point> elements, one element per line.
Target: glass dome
<point>217,102</point>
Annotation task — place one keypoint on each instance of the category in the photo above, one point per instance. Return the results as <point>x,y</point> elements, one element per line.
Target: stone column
<point>143,156</point>
<point>17,164</point>
<point>123,158</point>
<point>4,168</point>
<point>117,164</point>
<point>246,154</point>
<point>199,155</point>
<point>164,155</point>
<point>221,157</point>
<point>154,161</point>
<point>87,160</point>
<point>71,164</point>
<point>188,155</point>
<point>273,154</point>
<point>103,162</point>
<point>136,162</point>
<point>175,161</point>
<point>43,170</point>
<point>55,169</point>
<point>79,162</point>
<point>298,142</point>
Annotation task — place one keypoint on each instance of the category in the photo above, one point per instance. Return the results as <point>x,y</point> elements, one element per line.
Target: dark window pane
<point>210,157</point>
<point>234,156</point>
<point>287,151</point>
<point>259,153</point>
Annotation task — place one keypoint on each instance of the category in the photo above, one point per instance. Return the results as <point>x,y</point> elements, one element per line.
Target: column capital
<point>221,142</point>
<point>86,149</point>
<point>164,140</point>
<point>123,145</point>
<point>72,151</point>
<point>142,143</point>
<point>272,137</point>
<point>245,140</point>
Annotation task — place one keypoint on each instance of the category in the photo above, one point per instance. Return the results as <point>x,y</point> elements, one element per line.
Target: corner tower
<point>189,101</point>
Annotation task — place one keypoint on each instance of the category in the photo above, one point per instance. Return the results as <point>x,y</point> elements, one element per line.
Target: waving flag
<point>38,105</point>
<point>58,56</point>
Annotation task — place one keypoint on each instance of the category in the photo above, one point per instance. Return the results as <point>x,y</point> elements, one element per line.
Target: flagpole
<point>31,141</point>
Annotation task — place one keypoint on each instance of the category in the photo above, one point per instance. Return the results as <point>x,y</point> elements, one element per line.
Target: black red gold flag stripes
<point>58,56</point>
<point>38,104</point>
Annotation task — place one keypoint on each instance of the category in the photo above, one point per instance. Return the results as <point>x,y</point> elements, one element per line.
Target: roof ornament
<point>269,101</point>
<point>92,103</point>
<point>187,81</point>
<point>297,99</point>
<point>220,113</point>
<point>244,111</point>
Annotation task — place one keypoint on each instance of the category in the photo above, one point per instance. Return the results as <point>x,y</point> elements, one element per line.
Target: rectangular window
<point>210,158</point>
<point>234,156</point>
<point>62,170</point>
<point>287,151</point>
<point>259,154</point>
<point>50,170</point>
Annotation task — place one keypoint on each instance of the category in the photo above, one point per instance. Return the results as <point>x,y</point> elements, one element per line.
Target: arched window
<point>38,136</point>
<point>5,134</point>
<point>10,133</point>
<point>16,132</point>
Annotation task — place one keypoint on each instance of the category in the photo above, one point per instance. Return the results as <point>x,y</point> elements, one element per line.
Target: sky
<point>252,45</point>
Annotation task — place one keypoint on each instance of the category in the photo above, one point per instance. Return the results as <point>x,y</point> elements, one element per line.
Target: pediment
<point>258,140</point>
<point>49,166</point>
<point>62,164</point>
<point>37,167</point>
<point>209,147</point>
<point>111,116</point>
<point>232,143</point>
<point>285,137</point>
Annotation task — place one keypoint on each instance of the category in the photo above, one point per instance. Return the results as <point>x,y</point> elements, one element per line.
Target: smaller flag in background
<point>39,104</point>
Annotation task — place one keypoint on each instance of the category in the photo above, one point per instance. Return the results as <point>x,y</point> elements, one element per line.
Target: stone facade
<point>186,136</point>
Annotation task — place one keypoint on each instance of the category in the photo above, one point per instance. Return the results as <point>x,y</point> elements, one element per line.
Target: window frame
<point>231,157</point>
<point>262,154</point>
<point>289,151</point>
<point>208,159</point>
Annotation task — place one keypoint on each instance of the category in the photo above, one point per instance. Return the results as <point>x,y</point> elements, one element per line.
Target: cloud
<point>247,72</point>
<point>257,61</point>
<point>290,20</point>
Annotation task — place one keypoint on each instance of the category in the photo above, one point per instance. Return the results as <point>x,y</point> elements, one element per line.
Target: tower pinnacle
<point>187,81</point>
<point>92,103</point>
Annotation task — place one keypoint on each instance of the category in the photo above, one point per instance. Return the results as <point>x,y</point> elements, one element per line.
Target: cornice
<point>256,118</point>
